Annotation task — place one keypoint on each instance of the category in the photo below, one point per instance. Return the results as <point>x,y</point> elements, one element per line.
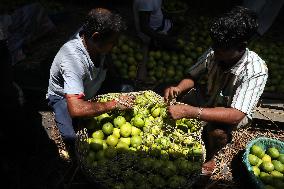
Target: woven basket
<point>265,143</point>
<point>91,172</point>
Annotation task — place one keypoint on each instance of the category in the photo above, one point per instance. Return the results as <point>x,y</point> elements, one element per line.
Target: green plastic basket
<point>265,143</point>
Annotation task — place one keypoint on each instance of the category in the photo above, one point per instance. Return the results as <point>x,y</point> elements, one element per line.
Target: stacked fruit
<point>267,165</point>
<point>143,147</point>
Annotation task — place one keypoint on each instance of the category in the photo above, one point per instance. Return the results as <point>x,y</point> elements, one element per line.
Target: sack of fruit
<point>264,160</point>
<point>142,147</point>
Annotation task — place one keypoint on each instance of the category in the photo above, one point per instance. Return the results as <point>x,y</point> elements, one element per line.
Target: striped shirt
<point>240,87</point>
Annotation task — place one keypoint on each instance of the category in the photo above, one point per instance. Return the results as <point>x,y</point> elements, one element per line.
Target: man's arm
<point>230,116</point>
<point>78,107</point>
<point>174,91</point>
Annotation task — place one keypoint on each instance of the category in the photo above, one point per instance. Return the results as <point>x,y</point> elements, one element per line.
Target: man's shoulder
<point>258,64</point>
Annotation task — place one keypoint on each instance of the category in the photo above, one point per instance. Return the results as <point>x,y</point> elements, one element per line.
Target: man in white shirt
<point>236,80</point>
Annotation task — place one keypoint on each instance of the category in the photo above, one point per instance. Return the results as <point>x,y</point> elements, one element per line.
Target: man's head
<point>101,29</point>
<point>231,33</point>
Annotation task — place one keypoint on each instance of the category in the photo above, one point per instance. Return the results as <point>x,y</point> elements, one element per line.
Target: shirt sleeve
<point>249,92</point>
<point>73,74</point>
<point>202,64</point>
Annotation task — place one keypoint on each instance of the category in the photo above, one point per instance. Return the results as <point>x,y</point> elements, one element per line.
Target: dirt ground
<point>30,156</point>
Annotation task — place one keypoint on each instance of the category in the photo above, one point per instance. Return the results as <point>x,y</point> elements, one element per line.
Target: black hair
<point>104,22</point>
<point>233,28</point>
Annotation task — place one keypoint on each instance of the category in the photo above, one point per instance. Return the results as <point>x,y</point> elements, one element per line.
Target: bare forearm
<point>223,115</point>
<point>89,109</point>
<point>185,84</point>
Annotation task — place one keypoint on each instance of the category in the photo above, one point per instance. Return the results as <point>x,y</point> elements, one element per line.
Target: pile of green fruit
<point>142,147</point>
<point>268,166</point>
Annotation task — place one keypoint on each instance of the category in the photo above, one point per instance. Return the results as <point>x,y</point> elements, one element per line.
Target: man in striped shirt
<point>236,80</point>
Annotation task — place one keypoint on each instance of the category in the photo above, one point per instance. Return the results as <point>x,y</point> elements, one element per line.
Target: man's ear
<point>95,36</point>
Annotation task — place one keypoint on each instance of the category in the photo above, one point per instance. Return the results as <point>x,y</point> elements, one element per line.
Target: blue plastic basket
<point>265,143</point>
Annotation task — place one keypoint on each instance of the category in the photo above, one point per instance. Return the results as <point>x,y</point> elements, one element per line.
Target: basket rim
<point>255,180</point>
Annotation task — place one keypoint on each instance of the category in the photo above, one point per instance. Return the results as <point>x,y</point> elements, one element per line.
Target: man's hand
<point>182,111</point>
<point>125,102</point>
<point>171,93</point>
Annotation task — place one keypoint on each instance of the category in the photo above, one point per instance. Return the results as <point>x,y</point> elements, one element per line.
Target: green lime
<point>273,153</point>
<point>257,150</point>
<point>107,128</point>
<point>98,134</point>
<point>112,140</point>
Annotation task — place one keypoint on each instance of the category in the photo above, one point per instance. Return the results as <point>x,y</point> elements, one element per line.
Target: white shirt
<point>240,87</point>
<point>73,71</point>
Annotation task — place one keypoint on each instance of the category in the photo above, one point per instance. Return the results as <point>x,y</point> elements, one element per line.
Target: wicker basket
<point>265,143</point>
<point>91,172</point>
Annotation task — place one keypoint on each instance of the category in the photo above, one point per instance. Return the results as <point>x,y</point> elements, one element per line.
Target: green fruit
<point>155,112</point>
<point>138,121</point>
<point>103,118</point>
<point>273,153</point>
<point>122,146</point>
<point>119,121</point>
<point>112,140</point>
<point>267,166</point>
<point>257,151</point>
<point>104,145</point>
<point>176,181</point>
<point>136,141</point>
<point>168,169</point>
<point>100,155</point>
<point>125,140</point>
<point>256,171</point>
<point>110,152</point>
<point>107,128</point>
<point>276,174</point>
<point>98,134</point>
<point>266,158</point>
<point>281,158</point>
<point>126,129</point>
<point>265,177</point>
<point>96,144</point>
<point>135,131</point>
<point>278,166</point>
<point>116,132</point>
<point>157,181</point>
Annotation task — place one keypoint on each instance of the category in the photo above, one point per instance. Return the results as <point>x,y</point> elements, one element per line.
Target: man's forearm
<point>89,109</point>
<point>220,114</point>
<point>186,84</point>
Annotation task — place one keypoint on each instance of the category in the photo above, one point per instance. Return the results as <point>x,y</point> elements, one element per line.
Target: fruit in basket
<point>110,152</point>
<point>125,130</point>
<point>125,140</point>
<point>116,132</point>
<point>267,166</point>
<point>122,146</point>
<point>103,118</point>
<point>278,165</point>
<point>266,158</point>
<point>136,141</point>
<point>98,134</point>
<point>119,121</point>
<point>96,144</point>
<point>112,140</point>
<point>157,181</point>
<point>281,158</point>
<point>273,152</point>
<point>107,128</point>
<point>256,170</point>
<point>168,169</point>
<point>265,177</point>
<point>276,174</point>
<point>257,150</point>
<point>100,155</point>
<point>155,111</point>
<point>138,121</point>
<point>135,131</point>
